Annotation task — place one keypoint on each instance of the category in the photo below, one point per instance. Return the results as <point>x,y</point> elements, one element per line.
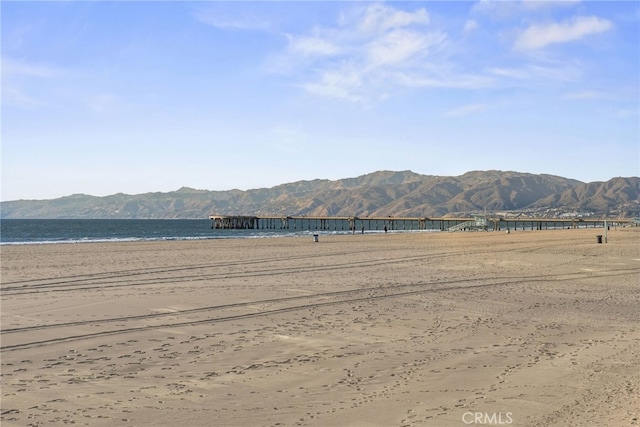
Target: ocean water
<point>34,231</point>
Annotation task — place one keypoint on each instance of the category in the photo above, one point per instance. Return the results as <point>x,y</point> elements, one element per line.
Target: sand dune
<point>428,329</point>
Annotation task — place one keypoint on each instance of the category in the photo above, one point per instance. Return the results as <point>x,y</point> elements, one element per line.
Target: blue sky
<point>134,97</point>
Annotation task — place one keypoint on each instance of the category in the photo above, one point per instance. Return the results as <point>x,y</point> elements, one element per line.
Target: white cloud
<point>379,18</point>
<point>344,83</point>
<point>442,79</point>
<point>376,51</point>
<point>365,55</point>
<point>470,26</point>
<point>313,46</point>
<point>540,36</point>
<point>245,22</point>
<point>396,47</point>
<point>532,72</point>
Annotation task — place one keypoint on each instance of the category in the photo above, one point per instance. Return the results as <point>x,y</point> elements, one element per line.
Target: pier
<point>356,224</point>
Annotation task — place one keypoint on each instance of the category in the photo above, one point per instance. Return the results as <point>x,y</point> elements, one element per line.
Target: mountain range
<point>382,193</point>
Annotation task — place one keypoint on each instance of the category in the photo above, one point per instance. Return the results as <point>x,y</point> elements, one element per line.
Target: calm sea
<point>32,231</point>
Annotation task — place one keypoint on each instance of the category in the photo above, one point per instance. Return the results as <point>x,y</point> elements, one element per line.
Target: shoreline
<point>398,329</point>
<point>258,234</point>
<point>266,234</point>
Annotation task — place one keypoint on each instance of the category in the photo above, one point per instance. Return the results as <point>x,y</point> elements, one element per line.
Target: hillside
<point>380,193</point>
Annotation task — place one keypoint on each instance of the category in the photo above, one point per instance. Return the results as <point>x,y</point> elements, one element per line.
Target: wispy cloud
<point>12,67</point>
<point>561,72</point>
<point>442,79</point>
<point>397,47</point>
<point>314,46</point>
<point>37,85</point>
<point>16,96</point>
<point>379,18</point>
<point>541,35</point>
<point>584,95</point>
<point>245,22</point>
<point>15,72</point>
<point>103,103</point>
<point>345,82</point>
<point>373,51</point>
<point>470,26</point>
<point>499,9</point>
<point>367,53</point>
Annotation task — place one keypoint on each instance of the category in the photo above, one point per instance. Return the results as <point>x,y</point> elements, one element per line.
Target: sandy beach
<point>536,328</point>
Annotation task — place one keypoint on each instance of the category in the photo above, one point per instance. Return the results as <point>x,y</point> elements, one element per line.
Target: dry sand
<point>536,328</point>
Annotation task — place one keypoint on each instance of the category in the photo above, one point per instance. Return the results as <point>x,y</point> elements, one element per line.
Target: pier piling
<point>354,223</point>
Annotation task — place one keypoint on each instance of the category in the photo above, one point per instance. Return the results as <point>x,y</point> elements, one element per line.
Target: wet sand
<point>536,328</point>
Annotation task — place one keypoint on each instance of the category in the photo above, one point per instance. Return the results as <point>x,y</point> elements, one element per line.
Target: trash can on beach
<point>315,238</point>
<point>599,238</point>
